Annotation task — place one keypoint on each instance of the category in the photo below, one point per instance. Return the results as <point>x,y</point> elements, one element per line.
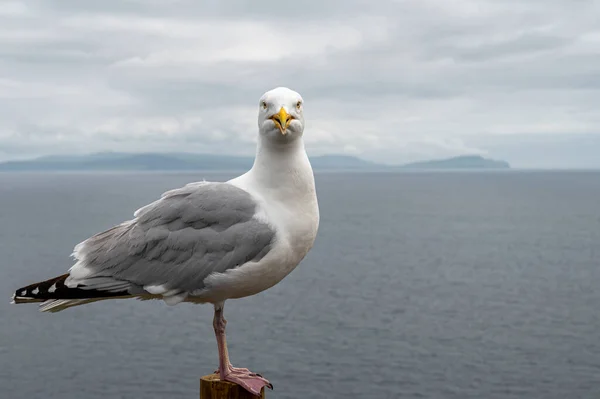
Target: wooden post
<point>213,388</point>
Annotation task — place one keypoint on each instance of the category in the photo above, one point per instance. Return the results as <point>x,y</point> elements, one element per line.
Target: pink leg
<point>250,381</point>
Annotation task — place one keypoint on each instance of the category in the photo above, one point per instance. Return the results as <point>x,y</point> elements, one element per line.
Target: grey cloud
<point>402,80</point>
<point>243,9</point>
<point>524,44</point>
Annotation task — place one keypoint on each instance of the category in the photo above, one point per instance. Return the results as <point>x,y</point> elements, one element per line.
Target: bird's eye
<point>299,104</point>
<point>263,104</point>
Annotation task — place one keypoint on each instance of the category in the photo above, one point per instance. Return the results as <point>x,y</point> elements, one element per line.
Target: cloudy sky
<point>391,81</point>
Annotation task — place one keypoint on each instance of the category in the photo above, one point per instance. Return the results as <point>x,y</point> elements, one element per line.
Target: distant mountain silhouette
<point>460,162</point>
<point>169,161</point>
<point>188,161</point>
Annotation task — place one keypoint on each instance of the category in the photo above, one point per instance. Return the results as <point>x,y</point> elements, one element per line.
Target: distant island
<point>115,161</point>
<point>461,162</point>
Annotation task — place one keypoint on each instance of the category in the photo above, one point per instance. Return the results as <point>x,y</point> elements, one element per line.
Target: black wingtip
<point>55,288</point>
<point>39,292</point>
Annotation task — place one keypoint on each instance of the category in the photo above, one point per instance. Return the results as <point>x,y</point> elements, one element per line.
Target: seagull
<point>206,242</point>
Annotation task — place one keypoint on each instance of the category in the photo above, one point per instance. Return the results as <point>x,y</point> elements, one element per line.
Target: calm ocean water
<point>420,285</point>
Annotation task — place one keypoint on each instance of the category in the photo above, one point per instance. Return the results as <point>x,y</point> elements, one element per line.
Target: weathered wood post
<point>213,388</point>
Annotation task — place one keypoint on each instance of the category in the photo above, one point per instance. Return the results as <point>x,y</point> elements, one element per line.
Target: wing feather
<point>175,242</point>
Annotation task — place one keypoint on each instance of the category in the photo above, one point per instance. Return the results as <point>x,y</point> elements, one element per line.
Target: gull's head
<point>280,115</point>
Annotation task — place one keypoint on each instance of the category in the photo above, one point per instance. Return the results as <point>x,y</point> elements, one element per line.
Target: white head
<point>280,115</point>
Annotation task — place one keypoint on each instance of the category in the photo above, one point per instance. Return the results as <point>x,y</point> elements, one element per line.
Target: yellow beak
<point>282,120</point>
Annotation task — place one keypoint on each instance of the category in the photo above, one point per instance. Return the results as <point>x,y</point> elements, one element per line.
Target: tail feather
<point>56,305</point>
<point>57,296</point>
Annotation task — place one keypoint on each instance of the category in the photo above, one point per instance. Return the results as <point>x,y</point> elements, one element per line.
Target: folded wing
<point>168,249</point>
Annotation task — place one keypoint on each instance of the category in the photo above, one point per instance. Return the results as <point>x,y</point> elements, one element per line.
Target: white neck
<point>283,167</point>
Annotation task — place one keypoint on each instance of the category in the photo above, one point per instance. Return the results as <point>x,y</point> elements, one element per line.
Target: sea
<point>421,284</point>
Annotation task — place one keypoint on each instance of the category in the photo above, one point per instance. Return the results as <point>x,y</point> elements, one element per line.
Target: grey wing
<point>176,242</point>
